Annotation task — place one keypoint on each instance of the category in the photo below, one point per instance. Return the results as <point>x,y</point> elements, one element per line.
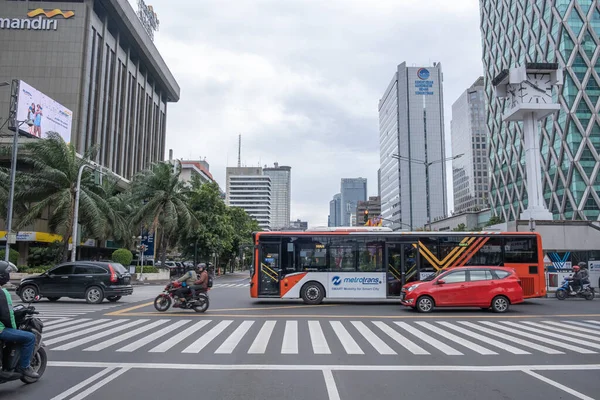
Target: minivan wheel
<point>425,304</point>
<point>53,299</point>
<point>94,295</point>
<point>28,294</point>
<point>500,304</point>
<point>113,299</point>
<point>312,293</point>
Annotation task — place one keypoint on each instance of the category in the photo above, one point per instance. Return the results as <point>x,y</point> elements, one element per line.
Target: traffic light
<point>367,217</point>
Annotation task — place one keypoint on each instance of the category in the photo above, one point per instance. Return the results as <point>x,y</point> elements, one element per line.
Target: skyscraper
<point>335,209</point>
<point>281,181</point>
<point>352,190</point>
<point>249,189</point>
<point>566,32</point>
<point>411,125</point>
<point>469,138</point>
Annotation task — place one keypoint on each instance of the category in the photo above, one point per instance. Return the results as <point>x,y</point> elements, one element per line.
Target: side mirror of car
<point>441,281</point>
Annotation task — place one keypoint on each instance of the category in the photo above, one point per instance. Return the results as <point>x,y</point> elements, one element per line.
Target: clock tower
<point>528,93</point>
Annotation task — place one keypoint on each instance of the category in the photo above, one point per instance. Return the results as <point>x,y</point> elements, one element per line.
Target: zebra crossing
<point>231,285</point>
<point>51,311</point>
<point>325,337</point>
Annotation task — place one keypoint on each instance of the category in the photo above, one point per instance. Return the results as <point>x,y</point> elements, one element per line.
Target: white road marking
<point>373,339</point>
<point>147,339</point>
<point>118,339</point>
<point>259,346</point>
<point>558,385</point>
<point>290,338</point>
<point>457,339</point>
<point>332,391</point>
<point>593,322</point>
<point>58,321</point>
<point>486,339</point>
<point>208,337</point>
<point>345,338</point>
<point>173,340</point>
<point>84,332</point>
<point>61,331</point>
<point>317,338</point>
<point>565,329</point>
<point>234,339</point>
<point>109,332</point>
<point>513,339</point>
<point>83,384</point>
<point>98,385</point>
<point>404,342</point>
<point>443,347</point>
<point>576,326</point>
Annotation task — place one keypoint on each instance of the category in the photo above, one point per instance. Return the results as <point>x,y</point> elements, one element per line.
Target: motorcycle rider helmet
<point>201,267</point>
<point>5,269</point>
<point>576,268</point>
<point>582,265</point>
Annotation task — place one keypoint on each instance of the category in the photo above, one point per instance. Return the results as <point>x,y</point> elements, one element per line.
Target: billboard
<point>47,115</point>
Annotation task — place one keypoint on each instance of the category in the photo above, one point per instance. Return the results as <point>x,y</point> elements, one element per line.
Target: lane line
<point>457,339</point>
<point>74,328</point>
<point>313,316</point>
<point>513,339</point>
<point>290,338</point>
<point>345,338</point>
<point>557,385</point>
<point>486,339</point>
<point>313,367</point>
<point>373,339</point>
<point>98,385</point>
<point>317,338</point>
<point>552,342</point>
<point>208,337</point>
<point>124,310</point>
<point>173,340</point>
<point>403,341</point>
<point>58,321</point>
<point>443,347</point>
<point>118,339</point>
<point>83,332</point>
<point>262,339</point>
<point>234,339</point>
<point>150,338</point>
<point>332,391</point>
<point>566,329</point>
<point>83,384</point>
<point>68,346</point>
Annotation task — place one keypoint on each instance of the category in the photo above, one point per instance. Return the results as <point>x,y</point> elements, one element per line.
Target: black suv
<point>89,280</point>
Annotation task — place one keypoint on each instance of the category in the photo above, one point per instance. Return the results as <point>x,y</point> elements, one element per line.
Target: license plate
<point>402,295</point>
<point>127,279</point>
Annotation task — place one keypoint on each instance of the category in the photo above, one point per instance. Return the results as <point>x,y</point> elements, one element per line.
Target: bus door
<point>269,269</point>
<point>402,266</point>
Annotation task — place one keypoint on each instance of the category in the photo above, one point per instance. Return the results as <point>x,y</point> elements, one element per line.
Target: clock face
<point>537,88</point>
<point>514,95</point>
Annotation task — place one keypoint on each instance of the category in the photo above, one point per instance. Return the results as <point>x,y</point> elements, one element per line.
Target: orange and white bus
<point>374,263</point>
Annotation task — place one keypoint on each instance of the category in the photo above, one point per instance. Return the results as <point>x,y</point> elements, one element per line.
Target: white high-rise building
<point>249,189</point>
<point>281,181</point>
<point>411,126</point>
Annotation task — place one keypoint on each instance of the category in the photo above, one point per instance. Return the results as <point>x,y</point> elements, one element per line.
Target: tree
<point>122,256</point>
<point>460,228</point>
<point>495,220</point>
<point>163,203</point>
<point>48,183</point>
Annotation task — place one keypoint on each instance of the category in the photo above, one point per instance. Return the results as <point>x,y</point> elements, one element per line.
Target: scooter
<point>564,292</point>
<point>10,353</point>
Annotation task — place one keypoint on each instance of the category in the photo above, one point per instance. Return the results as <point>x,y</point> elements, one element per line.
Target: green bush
<point>148,269</point>
<point>45,255</point>
<point>122,256</point>
<point>13,256</point>
<point>37,270</point>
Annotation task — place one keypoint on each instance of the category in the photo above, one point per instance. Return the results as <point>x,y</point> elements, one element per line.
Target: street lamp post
<point>427,164</point>
<point>76,211</point>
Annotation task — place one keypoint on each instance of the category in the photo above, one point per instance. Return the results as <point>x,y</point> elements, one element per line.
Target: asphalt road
<point>247,349</point>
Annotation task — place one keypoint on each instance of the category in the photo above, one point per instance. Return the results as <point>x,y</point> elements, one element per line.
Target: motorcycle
<point>564,292</point>
<point>163,301</point>
<point>10,353</point>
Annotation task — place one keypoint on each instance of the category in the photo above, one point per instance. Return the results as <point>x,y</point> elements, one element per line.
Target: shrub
<point>45,255</point>
<point>148,269</point>
<point>13,256</point>
<point>122,256</point>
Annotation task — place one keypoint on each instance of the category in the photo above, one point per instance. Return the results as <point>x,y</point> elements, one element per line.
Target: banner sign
<point>357,285</point>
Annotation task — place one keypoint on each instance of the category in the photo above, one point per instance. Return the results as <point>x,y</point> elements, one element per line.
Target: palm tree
<point>164,203</point>
<point>49,182</point>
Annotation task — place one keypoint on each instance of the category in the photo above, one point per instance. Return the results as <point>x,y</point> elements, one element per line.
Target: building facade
<point>335,211</point>
<point>469,138</point>
<point>352,190</point>
<point>372,205</point>
<point>249,189</point>
<point>566,32</point>
<point>299,225</point>
<point>192,168</point>
<point>281,194</point>
<point>411,125</point>
<point>98,61</point>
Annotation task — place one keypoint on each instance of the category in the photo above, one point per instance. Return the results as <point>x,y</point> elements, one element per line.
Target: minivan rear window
<point>118,268</point>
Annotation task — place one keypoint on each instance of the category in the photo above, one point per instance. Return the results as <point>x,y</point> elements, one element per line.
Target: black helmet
<point>5,269</point>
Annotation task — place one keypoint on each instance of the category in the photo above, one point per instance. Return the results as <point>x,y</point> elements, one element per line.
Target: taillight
<point>113,274</point>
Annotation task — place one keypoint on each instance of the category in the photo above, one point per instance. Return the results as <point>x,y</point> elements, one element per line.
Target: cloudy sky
<point>300,80</point>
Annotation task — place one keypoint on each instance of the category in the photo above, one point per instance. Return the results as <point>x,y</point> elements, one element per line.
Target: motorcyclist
<point>8,327</point>
<point>578,277</point>
<point>202,283</point>
<point>187,280</point>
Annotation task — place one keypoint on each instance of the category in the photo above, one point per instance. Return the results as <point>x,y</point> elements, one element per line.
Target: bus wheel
<point>312,293</point>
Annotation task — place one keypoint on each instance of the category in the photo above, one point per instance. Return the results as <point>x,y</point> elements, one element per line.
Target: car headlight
<point>411,288</point>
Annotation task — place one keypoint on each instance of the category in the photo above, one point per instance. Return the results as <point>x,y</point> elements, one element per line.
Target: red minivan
<point>485,287</point>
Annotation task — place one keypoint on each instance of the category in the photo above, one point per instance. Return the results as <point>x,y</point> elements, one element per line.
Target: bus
<point>375,262</point>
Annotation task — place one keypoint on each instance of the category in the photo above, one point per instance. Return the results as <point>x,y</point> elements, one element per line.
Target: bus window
<point>342,256</point>
<point>312,254</point>
<point>490,254</point>
<point>520,250</point>
<point>428,247</point>
<point>370,256</point>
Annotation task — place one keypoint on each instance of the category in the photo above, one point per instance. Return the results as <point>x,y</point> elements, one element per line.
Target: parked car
<point>485,287</point>
<point>93,281</point>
